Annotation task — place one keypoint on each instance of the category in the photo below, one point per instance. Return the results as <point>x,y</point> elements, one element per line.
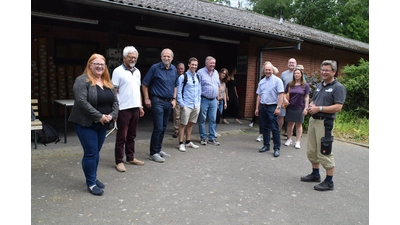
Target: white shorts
<point>189,114</point>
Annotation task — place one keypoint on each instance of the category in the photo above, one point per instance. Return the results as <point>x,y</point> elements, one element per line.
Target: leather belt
<point>164,99</point>
<point>208,98</point>
<point>318,117</point>
<point>269,105</point>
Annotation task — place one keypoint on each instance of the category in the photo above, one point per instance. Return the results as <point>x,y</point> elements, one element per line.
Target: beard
<point>132,65</point>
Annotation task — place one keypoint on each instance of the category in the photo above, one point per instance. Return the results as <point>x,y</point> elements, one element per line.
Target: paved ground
<point>228,184</point>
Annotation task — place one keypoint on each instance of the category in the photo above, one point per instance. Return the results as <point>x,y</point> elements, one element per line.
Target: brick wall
<point>54,81</point>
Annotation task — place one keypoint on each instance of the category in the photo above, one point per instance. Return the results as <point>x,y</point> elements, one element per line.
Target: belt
<point>164,99</point>
<point>208,98</point>
<point>269,105</point>
<point>318,117</point>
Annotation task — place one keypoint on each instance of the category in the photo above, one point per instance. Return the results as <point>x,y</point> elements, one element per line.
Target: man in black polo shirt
<point>328,99</point>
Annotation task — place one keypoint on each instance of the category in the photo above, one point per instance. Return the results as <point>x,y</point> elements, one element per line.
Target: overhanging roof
<point>230,18</point>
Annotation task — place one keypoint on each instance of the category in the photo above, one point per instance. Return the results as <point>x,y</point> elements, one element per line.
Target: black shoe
<point>175,135</point>
<point>311,178</point>
<point>96,190</point>
<point>100,184</point>
<point>324,186</point>
<point>264,149</point>
<point>276,153</point>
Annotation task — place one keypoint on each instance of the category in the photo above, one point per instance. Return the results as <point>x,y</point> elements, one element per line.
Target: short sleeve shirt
<point>330,94</point>
<point>269,89</point>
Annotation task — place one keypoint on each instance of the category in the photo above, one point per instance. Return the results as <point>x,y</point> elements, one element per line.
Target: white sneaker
<point>251,124</point>
<point>288,142</point>
<point>217,134</point>
<point>203,142</point>
<point>260,138</point>
<point>191,145</point>
<point>213,142</point>
<point>297,145</point>
<point>156,157</point>
<point>182,148</point>
<point>164,154</point>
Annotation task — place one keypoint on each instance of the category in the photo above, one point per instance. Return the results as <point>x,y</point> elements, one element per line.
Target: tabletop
<point>65,102</point>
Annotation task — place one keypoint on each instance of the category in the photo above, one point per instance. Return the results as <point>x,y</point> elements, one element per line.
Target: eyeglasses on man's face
<point>326,71</point>
<point>98,64</point>
<point>130,57</point>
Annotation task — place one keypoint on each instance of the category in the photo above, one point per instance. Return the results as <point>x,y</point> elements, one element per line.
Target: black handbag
<point>218,118</point>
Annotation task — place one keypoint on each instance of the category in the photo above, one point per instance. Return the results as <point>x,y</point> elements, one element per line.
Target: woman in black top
<point>233,98</point>
<point>95,106</point>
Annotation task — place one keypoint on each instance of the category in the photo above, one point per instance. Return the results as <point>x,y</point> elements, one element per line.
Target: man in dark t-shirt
<point>328,99</point>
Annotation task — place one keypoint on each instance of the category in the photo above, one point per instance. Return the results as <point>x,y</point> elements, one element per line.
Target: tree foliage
<point>222,2</point>
<point>348,18</point>
<point>355,78</point>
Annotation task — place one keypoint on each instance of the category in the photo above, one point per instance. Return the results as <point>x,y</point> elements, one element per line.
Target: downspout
<point>265,48</point>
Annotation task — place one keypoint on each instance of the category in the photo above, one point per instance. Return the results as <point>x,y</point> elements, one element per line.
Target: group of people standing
<point>292,91</point>
<point>101,100</point>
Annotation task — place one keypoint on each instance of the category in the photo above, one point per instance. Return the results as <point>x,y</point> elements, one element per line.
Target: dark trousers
<point>233,106</point>
<point>127,123</point>
<point>268,123</point>
<point>161,111</point>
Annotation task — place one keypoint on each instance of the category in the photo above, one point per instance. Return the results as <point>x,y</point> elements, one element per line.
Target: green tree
<point>356,80</point>
<point>348,18</point>
<point>273,8</point>
<point>222,2</point>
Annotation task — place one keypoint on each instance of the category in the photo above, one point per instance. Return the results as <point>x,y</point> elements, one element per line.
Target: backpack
<point>185,80</point>
<point>47,135</point>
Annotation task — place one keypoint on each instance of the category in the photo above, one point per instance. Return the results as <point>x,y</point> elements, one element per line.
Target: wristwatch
<point>278,107</point>
<point>320,108</point>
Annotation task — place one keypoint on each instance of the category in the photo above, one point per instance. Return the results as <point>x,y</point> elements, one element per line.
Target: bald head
<point>292,63</point>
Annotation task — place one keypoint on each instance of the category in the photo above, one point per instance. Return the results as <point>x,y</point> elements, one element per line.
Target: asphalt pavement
<point>228,184</point>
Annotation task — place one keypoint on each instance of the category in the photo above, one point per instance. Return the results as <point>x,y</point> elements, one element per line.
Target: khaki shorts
<point>316,130</point>
<point>189,115</point>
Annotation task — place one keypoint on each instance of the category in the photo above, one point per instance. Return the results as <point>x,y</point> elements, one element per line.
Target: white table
<point>66,103</point>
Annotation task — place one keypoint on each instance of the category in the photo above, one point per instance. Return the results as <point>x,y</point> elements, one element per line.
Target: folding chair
<point>112,129</point>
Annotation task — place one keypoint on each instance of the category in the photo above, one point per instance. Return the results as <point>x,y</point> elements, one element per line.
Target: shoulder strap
<point>185,79</point>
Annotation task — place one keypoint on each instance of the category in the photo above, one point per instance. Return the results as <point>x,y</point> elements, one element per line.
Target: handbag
<point>218,117</point>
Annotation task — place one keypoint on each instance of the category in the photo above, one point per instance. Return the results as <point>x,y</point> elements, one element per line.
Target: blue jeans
<point>161,111</point>
<point>268,123</point>
<point>92,139</point>
<point>208,108</point>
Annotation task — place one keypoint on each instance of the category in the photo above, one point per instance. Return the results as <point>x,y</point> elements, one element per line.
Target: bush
<point>356,80</point>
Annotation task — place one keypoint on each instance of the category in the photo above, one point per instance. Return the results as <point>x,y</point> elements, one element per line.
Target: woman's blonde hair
<point>105,77</point>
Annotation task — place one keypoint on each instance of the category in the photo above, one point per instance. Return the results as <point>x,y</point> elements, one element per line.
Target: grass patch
<point>349,127</point>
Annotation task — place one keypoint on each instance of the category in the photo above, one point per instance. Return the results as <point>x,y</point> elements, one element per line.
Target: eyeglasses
<point>326,71</point>
<point>130,57</point>
<point>193,80</point>
<point>98,64</point>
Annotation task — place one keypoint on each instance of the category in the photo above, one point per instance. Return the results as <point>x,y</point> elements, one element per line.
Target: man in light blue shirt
<point>189,98</point>
<point>270,94</point>
<point>209,79</point>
